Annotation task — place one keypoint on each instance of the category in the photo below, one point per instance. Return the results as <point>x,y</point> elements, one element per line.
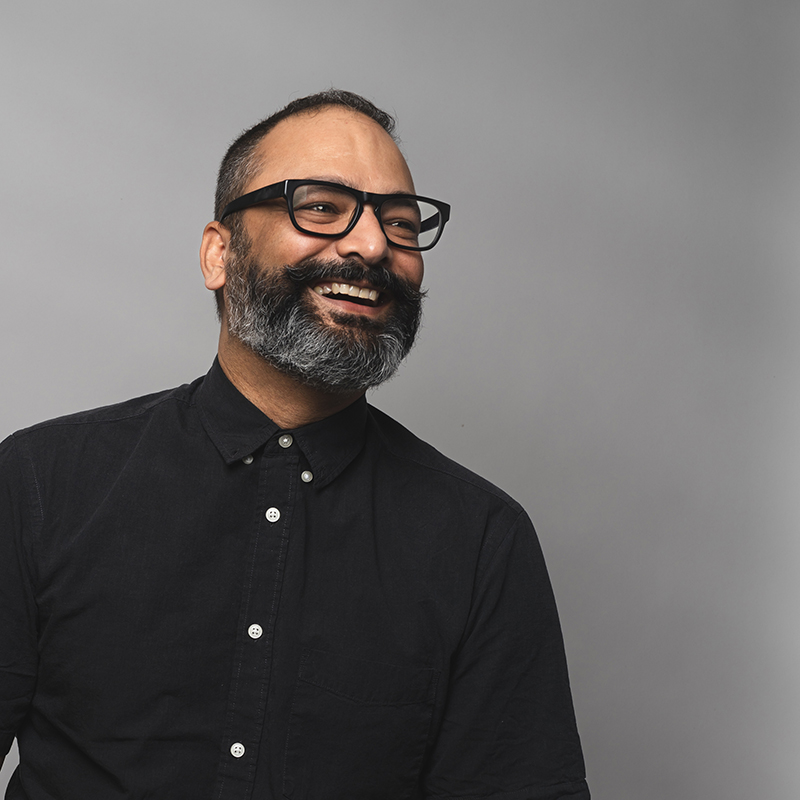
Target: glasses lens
<point>323,209</point>
<point>410,221</point>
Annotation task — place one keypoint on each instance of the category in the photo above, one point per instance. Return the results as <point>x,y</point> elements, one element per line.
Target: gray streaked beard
<point>270,312</point>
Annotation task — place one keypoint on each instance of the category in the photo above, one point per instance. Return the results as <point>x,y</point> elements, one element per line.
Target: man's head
<point>241,162</point>
<point>295,295</point>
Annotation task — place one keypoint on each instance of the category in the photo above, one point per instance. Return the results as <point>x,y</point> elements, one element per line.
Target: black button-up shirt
<point>196,604</point>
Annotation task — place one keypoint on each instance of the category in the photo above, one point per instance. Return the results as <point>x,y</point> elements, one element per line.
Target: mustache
<point>314,270</point>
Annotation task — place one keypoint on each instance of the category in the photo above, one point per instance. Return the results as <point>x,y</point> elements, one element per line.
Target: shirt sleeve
<point>18,638</point>
<point>509,728</point>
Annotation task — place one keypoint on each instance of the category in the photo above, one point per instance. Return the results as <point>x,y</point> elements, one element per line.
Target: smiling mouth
<point>361,295</point>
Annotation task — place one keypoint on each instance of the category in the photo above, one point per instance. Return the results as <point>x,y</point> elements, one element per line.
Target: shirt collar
<point>237,428</point>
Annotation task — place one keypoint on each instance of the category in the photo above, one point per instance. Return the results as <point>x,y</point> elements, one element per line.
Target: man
<point>256,585</point>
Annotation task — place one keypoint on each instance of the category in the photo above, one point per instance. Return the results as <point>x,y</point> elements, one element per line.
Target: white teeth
<point>346,288</point>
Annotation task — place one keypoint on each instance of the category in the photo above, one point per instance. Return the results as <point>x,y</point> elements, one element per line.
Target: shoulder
<point>458,506</point>
<point>136,407</point>
<point>94,425</point>
<point>430,464</point>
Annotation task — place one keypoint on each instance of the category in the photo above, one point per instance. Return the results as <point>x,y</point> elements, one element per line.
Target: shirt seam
<point>491,543</point>
<point>72,421</point>
<point>485,487</point>
<point>576,784</point>
<point>34,507</point>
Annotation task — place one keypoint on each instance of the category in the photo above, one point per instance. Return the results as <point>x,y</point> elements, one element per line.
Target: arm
<point>509,729</point>
<point>18,635</point>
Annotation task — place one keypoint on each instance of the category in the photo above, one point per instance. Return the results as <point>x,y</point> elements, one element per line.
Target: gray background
<point>611,334</point>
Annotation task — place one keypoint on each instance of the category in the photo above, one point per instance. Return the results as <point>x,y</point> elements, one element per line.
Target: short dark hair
<point>239,165</point>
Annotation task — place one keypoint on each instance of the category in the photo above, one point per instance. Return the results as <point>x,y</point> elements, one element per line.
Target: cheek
<point>411,267</point>
<point>289,247</point>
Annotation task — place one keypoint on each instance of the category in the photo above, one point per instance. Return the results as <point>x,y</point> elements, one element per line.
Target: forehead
<point>332,144</point>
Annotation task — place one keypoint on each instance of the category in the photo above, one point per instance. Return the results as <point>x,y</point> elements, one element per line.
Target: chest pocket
<point>357,729</point>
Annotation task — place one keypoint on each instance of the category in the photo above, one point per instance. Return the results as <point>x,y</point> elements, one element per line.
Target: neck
<point>286,401</point>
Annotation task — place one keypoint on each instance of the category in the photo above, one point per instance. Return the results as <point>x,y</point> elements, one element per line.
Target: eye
<point>401,215</point>
<point>404,221</point>
<point>402,225</point>
<point>322,205</point>
<point>319,208</point>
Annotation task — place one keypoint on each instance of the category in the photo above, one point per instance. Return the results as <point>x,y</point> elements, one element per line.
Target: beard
<point>269,309</point>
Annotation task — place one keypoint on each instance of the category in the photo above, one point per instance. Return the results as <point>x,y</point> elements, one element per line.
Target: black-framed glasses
<point>330,210</point>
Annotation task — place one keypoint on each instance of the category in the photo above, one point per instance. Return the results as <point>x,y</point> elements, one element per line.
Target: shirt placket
<point>262,579</point>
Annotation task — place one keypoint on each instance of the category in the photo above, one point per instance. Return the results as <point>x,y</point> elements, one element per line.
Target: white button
<point>285,440</point>
<point>248,459</point>
<point>255,631</point>
<point>237,749</point>
<point>273,515</point>
<point>306,476</point>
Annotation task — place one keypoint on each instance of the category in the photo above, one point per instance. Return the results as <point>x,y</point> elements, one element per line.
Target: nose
<point>367,239</point>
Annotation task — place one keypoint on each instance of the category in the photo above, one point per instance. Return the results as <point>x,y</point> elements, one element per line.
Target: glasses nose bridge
<point>368,199</point>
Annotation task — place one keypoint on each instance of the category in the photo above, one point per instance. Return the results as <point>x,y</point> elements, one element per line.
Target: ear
<point>213,254</point>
